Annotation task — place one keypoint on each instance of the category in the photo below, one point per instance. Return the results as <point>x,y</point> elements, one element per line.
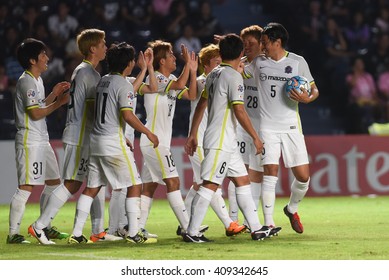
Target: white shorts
<point>256,162</point>
<point>118,171</point>
<point>160,164</point>
<point>75,162</point>
<point>291,145</point>
<point>245,144</point>
<point>219,164</point>
<point>195,161</point>
<point>35,164</point>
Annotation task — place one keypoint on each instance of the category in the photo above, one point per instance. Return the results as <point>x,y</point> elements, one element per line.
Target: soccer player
<point>209,58</point>
<point>36,163</point>
<point>280,125</point>
<point>79,122</point>
<point>251,37</point>
<point>111,160</point>
<point>223,95</point>
<point>160,106</point>
<point>118,223</point>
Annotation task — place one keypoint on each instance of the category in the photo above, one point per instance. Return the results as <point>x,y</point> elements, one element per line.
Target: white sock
<point>16,211</point>
<point>219,206</point>
<point>247,205</point>
<point>268,198</point>
<point>45,197</point>
<point>123,221</point>
<point>234,208</point>
<point>97,212</point>
<point>256,189</point>
<point>114,211</point>
<point>55,201</point>
<point>298,191</point>
<point>145,205</point>
<point>199,208</point>
<point>133,213</point>
<point>82,211</point>
<point>178,207</point>
<point>188,199</point>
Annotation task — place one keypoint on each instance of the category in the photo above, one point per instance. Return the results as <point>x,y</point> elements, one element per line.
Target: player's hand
<point>302,97</point>
<point>185,53</point>
<point>194,62</point>
<point>149,57</point>
<point>190,145</point>
<point>258,144</point>
<point>128,143</point>
<point>153,139</point>
<point>141,61</point>
<point>61,90</point>
<point>216,38</point>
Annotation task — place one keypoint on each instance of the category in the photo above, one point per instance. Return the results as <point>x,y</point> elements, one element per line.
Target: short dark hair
<point>231,46</point>
<point>30,48</point>
<point>276,31</point>
<point>119,55</point>
<point>160,50</point>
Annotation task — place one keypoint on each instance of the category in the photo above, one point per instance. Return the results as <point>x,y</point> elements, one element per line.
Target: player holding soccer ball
<point>280,125</point>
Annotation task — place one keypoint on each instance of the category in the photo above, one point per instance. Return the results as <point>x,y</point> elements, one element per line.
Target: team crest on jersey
<point>130,95</point>
<point>240,88</point>
<point>161,78</point>
<point>31,93</point>
<point>288,69</point>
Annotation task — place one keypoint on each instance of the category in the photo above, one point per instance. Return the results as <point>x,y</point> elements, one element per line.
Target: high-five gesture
<point>185,53</point>
<point>149,57</point>
<point>142,64</point>
<point>193,62</point>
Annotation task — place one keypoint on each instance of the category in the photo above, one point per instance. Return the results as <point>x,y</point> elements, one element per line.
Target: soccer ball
<point>298,82</point>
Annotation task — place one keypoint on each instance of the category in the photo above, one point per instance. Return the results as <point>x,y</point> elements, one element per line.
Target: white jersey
<point>277,111</point>
<point>29,94</point>
<point>160,108</point>
<point>79,122</point>
<point>130,132</point>
<point>114,94</point>
<point>251,99</point>
<point>223,88</point>
<point>193,104</point>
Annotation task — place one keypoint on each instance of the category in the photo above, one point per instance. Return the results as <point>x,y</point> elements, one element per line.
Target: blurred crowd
<point>57,23</point>
<point>346,43</point>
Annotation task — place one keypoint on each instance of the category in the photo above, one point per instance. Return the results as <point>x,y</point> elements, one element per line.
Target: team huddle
<point>241,122</point>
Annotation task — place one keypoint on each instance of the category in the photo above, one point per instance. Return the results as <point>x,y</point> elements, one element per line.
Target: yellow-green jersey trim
<point>123,147</point>
<point>25,147</point>
<point>167,88</point>
<point>179,96</point>
<point>215,161</point>
<point>160,163</point>
<point>140,88</point>
<point>225,118</point>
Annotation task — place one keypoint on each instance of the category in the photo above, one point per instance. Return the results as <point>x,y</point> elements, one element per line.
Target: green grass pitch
<point>335,228</point>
